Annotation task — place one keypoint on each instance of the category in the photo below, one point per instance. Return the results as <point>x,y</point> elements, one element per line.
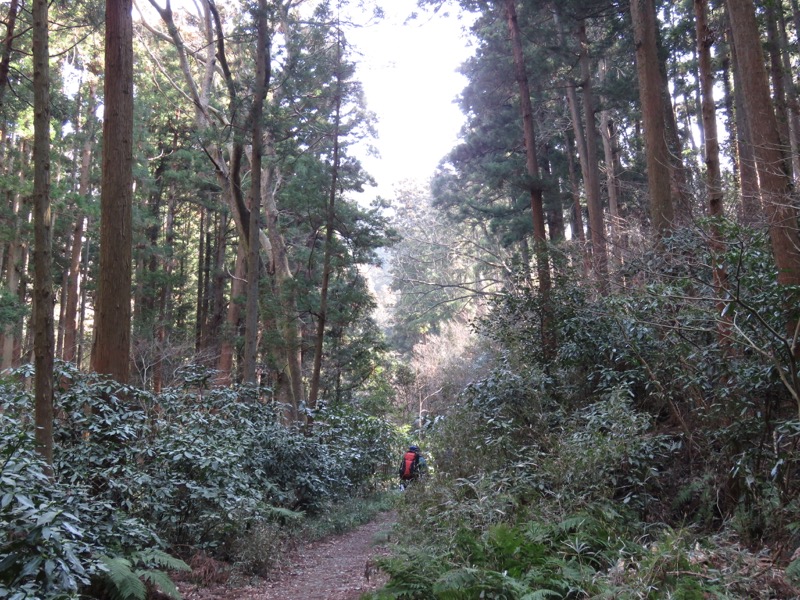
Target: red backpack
<point>409,467</point>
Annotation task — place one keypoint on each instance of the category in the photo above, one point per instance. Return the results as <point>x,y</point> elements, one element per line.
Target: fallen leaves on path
<point>337,568</point>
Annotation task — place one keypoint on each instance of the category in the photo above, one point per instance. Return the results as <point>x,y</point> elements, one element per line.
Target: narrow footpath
<point>336,568</point>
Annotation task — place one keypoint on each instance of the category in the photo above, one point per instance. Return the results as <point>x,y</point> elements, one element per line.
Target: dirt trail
<point>337,568</point>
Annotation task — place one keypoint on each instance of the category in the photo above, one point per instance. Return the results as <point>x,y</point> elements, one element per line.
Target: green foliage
<point>465,583</point>
<point>137,475</point>
<point>127,585</point>
<point>129,578</point>
<point>412,575</point>
<point>11,311</point>
<point>46,550</point>
<point>551,475</point>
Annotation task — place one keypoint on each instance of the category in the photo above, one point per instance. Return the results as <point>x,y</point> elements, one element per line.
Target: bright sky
<point>410,81</point>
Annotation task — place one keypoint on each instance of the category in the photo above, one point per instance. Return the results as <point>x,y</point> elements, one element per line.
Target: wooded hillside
<point>592,326</point>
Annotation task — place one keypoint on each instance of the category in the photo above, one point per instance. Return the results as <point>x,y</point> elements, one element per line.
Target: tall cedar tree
<point>714,193</point>
<point>256,115</point>
<point>43,284</point>
<point>776,185</point>
<point>329,225</point>
<point>532,164</point>
<point>111,351</point>
<point>643,15</point>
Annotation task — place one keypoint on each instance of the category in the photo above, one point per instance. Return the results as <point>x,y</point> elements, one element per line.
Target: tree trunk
<point>587,152</point>
<point>752,210</point>
<point>42,255</point>
<point>200,317</point>
<point>215,60</point>
<point>12,333</point>
<point>285,291</point>
<point>698,98</point>
<point>164,312</point>
<point>776,75</point>
<point>216,292</point>
<point>22,341</point>
<point>705,39</point>
<point>681,197</point>
<point>84,191</point>
<point>792,96</point>
<point>597,227</point>
<point>714,192</point>
<point>776,185</point>
<point>532,165</point>
<point>82,309</point>
<point>145,306</point>
<point>111,352</point>
<point>253,258</point>
<point>329,226</point>
<point>8,46</point>
<point>553,213</point>
<point>61,301</point>
<point>653,109</point>
<point>227,345</point>
<point>611,157</point>
<point>577,210</point>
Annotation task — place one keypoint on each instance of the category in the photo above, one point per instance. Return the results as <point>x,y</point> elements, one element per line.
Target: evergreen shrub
<point>181,472</point>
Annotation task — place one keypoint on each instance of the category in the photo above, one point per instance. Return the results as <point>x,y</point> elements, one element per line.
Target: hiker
<point>412,465</point>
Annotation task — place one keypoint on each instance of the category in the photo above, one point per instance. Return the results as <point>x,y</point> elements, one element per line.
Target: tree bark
<point>792,96</point>
<point>216,292</point>
<point>84,191</point>
<point>14,270</point>
<point>597,227</point>
<point>42,256</point>
<point>83,300</point>
<point>662,212</point>
<point>577,209</point>
<point>705,39</point>
<point>579,143</point>
<point>164,304</point>
<point>8,46</point>
<point>285,289</point>
<point>227,346</point>
<point>532,165</point>
<point>752,209</point>
<point>111,352</point>
<point>253,258</point>
<point>778,79</point>
<point>681,197</point>
<point>329,226</point>
<point>775,182</point>
<point>553,211</point>
<point>714,192</point>
<point>611,157</point>
<point>202,274</point>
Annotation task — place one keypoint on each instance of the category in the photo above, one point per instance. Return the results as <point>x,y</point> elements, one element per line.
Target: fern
<point>793,570</point>
<point>468,583</point>
<point>162,581</point>
<point>153,557</point>
<point>574,523</point>
<point>456,584</point>
<point>284,513</point>
<point>412,574</point>
<point>541,595</point>
<point>125,583</point>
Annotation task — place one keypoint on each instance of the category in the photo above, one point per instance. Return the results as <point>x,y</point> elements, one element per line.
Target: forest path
<point>335,568</point>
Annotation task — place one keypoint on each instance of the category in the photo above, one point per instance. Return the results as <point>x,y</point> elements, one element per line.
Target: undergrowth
<point>141,481</point>
<point>647,459</point>
<point>262,548</point>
